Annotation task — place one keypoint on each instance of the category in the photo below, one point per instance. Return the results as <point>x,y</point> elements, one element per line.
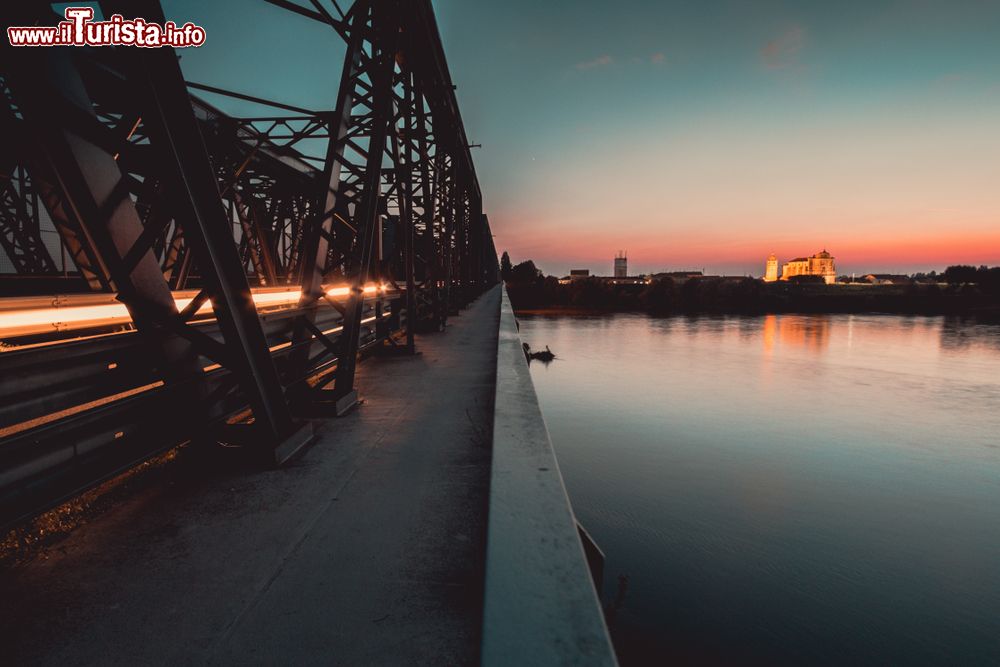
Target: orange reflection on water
<point>770,332</point>
<point>809,331</point>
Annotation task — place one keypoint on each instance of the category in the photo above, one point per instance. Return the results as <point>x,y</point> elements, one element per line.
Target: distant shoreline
<point>749,296</point>
<point>569,310</point>
<point>989,314</point>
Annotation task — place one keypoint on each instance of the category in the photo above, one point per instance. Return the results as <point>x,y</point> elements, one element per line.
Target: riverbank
<point>749,296</point>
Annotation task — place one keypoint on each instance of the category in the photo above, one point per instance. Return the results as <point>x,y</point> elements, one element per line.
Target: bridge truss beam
<point>151,191</point>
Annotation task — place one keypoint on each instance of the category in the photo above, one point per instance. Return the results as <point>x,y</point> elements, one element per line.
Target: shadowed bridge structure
<point>185,295</point>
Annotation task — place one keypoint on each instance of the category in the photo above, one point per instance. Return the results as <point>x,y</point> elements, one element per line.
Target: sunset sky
<point>695,134</point>
<point>708,134</point>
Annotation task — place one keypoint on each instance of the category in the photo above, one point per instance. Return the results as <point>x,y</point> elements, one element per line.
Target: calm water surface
<point>785,489</point>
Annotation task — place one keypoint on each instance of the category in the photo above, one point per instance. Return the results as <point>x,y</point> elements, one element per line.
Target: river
<point>784,489</point>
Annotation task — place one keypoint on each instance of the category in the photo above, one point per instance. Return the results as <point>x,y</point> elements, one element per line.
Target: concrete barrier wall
<point>541,607</point>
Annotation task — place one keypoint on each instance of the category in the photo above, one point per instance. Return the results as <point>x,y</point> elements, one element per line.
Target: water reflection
<point>811,332</point>
<point>961,333</point>
<point>790,489</point>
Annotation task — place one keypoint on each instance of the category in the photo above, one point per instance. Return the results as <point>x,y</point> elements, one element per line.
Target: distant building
<point>821,264</point>
<point>771,269</point>
<point>888,279</point>
<point>620,277</point>
<point>608,280</point>
<point>574,275</point>
<point>678,276</point>
<point>626,280</point>
<point>621,265</point>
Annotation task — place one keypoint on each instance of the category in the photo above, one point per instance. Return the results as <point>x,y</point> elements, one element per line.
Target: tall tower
<point>771,270</point>
<point>621,265</point>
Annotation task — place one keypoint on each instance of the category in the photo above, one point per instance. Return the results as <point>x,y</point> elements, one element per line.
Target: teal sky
<point>694,134</point>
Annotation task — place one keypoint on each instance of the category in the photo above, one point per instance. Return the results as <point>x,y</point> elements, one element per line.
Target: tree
<point>525,273</point>
<point>505,267</point>
<point>989,280</point>
<point>956,275</point>
<point>660,298</point>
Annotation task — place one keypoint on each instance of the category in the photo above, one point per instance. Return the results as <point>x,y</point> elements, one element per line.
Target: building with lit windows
<point>821,264</point>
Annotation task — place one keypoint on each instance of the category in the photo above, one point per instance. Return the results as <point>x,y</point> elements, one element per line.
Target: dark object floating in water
<point>544,356</point>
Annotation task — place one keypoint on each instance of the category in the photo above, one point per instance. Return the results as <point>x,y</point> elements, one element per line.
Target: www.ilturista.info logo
<point>79,29</point>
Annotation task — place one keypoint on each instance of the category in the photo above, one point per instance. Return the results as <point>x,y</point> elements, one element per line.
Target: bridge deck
<point>368,549</point>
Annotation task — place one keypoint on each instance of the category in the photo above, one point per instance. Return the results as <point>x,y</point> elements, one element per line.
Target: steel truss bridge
<point>174,273</point>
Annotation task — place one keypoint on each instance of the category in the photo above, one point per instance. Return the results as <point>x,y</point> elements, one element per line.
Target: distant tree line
<point>968,290</point>
<point>985,278</point>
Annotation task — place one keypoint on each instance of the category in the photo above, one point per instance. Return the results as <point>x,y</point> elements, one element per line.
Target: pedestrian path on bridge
<point>366,549</point>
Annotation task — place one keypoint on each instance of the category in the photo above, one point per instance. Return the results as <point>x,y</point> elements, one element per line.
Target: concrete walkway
<point>366,550</point>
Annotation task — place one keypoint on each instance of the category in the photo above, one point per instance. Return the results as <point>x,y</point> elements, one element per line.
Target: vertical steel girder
<point>380,19</point>
<point>257,237</point>
<point>336,196</point>
<point>20,232</point>
<point>198,208</point>
<point>91,191</point>
<point>397,161</point>
<point>152,191</point>
<point>21,226</point>
<point>91,185</point>
<point>403,156</point>
<point>95,193</point>
<point>352,185</point>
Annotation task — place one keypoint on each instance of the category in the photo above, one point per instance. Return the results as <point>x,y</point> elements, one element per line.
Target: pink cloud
<point>783,50</point>
<point>658,58</point>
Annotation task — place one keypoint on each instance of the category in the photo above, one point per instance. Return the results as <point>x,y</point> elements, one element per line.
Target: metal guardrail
<point>75,413</point>
<point>152,193</point>
<point>541,607</point>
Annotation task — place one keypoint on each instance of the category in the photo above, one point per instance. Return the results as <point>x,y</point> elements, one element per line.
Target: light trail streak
<point>22,322</point>
<point>282,346</point>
